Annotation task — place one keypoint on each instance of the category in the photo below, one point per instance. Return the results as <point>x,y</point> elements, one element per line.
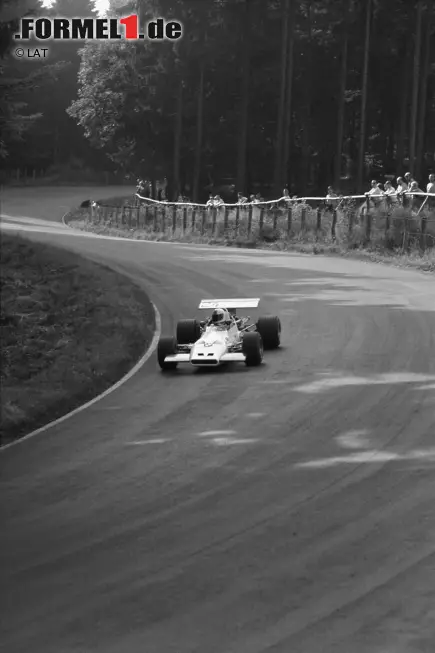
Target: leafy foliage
<point>207,104</point>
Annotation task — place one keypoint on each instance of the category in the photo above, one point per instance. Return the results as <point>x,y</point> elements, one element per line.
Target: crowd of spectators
<point>407,186</point>
<point>378,194</point>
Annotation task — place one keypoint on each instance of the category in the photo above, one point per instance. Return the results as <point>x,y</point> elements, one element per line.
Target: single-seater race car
<point>221,338</point>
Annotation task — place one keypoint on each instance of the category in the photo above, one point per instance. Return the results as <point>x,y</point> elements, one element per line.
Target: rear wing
<point>229,303</point>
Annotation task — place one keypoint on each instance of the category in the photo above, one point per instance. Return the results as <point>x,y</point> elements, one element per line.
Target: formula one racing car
<point>221,338</point>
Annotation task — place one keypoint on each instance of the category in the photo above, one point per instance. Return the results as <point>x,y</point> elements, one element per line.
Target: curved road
<point>288,508</point>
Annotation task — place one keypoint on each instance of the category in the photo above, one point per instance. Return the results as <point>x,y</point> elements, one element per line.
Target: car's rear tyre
<point>269,329</point>
<point>252,347</point>
<point>188,332</point>
<point>167,346</point>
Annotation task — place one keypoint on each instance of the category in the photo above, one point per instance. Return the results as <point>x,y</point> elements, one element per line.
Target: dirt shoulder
<point>425,262</point>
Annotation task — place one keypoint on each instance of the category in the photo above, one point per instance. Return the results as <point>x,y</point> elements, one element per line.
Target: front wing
<point>234,357</point>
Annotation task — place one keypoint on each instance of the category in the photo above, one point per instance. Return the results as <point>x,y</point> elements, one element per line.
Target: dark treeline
<point>259,93</point>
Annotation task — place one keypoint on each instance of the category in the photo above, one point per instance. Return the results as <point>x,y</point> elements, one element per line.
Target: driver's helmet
<point>220,316</point>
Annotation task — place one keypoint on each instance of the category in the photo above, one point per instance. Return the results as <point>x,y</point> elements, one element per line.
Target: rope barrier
<point>287,200</point>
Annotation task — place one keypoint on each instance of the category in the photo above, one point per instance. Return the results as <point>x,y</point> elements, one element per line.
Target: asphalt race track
<point>288,508</point>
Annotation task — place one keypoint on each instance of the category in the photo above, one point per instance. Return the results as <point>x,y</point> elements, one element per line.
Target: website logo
<point>74,29</point>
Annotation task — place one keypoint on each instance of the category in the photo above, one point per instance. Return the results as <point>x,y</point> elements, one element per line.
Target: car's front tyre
<point>188,332</point>
<point>167,346</point>
<point>252,347</point>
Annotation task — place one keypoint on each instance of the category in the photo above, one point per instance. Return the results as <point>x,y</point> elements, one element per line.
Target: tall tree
<point>279,149</point>
<point>423,93</point>
<point>364,90</point>
<point>289,90</point>
<point>342,93</point>
<point>415,87</point>
<point>199,132</point>
<point>178,133</point>
<point>246,17</point>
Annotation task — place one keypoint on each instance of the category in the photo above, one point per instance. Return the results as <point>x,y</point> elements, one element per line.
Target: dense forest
<point>259,93</point>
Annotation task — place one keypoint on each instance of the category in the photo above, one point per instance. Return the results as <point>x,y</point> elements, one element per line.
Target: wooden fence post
<point>423,225</point>
<point>368,227</point>
<point>226,218</point>
<point>193,218</point>
<point>174,218</point>
<point>319,220</point>
<point>184,219</point>
<point>350,225</point>
<point>303,219</point>
<point>334,224</point>
<point>289,220</point>
<point>275,216</point>
<point>250,219</point>
<point>155,218</point>
<point>203,219</point>
<point>261,218</point>
<point>237,225</point>
<point>213,226</point>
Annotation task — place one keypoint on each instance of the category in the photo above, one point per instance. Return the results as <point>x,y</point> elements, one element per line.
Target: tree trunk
<point>341,98</point>
<point>404,108</point>
<point>415,88</point>
<point>177,141</point>
<point>363,118</point>
<point>282,101</point>
<point>244,100</point>
<point>289,93</point>
<point>199,132</point>
<point>423,96</point>
<point>306,167</point>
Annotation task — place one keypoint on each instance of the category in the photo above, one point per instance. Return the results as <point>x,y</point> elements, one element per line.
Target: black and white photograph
<point>217,326</point>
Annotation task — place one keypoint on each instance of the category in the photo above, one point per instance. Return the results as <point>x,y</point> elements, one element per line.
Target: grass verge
<point>305,243</point>
<point>70,329</point>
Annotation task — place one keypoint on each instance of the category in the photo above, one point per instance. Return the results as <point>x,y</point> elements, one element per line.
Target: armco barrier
<point>395,217</point>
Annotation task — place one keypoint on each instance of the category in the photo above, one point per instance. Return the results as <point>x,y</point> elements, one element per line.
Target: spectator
<point>408,179</point>
<point>210,202</point>
<point>218,201</point>
<point>241,199</point>
<point>374,190</point>
<point>402,186</point>
<point>430,188</point>
<point>331,199</point>
<point>415,199</point>
<point>252,199</point>
<point>375,193</point>
<point>414,187</point>
<point>390,193</point>
<point>286,197</point>
<point>259,198</point>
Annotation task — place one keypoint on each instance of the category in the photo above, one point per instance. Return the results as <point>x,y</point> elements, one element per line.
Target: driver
<point>221,317</point>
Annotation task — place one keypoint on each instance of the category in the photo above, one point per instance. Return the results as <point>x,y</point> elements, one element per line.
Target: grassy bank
<point>70,329</point>
<point>381,249</point>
